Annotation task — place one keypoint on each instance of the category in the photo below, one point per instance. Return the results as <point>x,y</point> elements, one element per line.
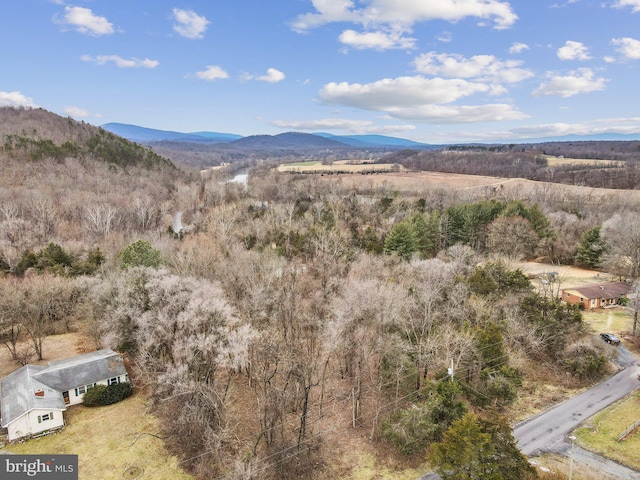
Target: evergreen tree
<point>401,241</point>
<point>465,453</point>
<point>480,449</point>
<point>592,247</point>
<point>140,254</point>
<point>422,234</point>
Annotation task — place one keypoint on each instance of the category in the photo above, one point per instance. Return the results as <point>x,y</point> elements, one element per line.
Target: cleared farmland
<point>340,166</point>
<point>563,161</point>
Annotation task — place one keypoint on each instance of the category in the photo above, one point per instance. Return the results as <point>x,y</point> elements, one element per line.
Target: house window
<point>83,389</point>
<point>113,381</point>
<point>45,418</point>
<point>568,295</point>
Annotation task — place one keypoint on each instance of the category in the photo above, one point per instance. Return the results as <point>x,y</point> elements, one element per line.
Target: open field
<point>599,433</point>
<point>55,347</point>
<point>562,161</point>
<point>568,276</point>
<point>341,166</point>
<point>417,183</point>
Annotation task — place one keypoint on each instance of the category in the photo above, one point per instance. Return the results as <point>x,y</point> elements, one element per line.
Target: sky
<point>433,71</point>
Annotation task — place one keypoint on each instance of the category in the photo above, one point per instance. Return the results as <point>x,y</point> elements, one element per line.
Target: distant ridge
<point>284,140</point>
<point>374,141</point>
<point>290,140</point>
<point>147,135</point>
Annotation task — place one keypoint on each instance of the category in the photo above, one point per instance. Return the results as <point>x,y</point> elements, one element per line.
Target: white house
<point>34,397</point>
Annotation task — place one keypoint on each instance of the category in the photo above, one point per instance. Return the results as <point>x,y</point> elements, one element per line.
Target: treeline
<point>509,164</point>
<point>526,162</point>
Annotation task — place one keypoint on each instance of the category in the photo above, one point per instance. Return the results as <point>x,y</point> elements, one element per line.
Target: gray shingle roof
<point>18,394</point>
<point>82,370</point>
<point>18,388</point>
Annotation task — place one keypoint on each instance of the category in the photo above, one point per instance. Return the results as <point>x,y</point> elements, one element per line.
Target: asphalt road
<point>544,432</point>
<point>548,431</point>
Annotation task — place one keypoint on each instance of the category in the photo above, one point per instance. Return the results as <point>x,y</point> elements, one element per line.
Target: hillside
<point>36,134</point>
<point>69,182</point>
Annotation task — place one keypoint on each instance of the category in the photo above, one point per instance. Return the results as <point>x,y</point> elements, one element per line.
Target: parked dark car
<point>610,338</point>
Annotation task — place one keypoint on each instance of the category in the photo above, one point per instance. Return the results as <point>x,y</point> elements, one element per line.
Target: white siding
<point>28,424</point>
<point>76,399</point>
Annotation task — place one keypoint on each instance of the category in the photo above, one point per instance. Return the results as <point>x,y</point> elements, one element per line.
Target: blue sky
<point>435,71</point>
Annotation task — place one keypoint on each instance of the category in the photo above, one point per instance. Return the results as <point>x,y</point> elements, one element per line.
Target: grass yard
<point>612,320</point>
<point>109,439</point>
<point>600,433</point>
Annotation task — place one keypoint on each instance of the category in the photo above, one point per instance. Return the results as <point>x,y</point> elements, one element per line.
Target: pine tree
<point>592,247</point>
<point>401,241</point>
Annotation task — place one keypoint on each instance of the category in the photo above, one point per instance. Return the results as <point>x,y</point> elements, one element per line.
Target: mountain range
<point>288,140</point>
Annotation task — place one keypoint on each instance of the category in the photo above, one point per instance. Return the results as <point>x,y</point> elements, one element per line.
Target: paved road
<point>547,432</point>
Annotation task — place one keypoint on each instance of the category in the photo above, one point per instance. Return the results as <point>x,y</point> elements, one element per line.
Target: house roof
<point>18,388</point>
<point>18,394</point>
<point>602,290</point>
<point>81,370</point>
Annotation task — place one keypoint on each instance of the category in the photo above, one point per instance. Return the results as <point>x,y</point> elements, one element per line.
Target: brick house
<point>596,296</point>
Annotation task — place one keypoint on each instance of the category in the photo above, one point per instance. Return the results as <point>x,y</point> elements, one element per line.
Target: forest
<point>619,169</point>
<point>294,312</point>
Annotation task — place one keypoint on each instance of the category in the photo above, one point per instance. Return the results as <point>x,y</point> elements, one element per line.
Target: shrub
<point>116,393</point>
<point>93,396</point>
<point>102,395</point>
<point>585,361</point>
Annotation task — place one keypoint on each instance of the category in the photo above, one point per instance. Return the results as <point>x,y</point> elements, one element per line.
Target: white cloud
<point>85,21</point>
<point>15,99</point>
<point>599,126</point>
<point>404,14</point>
<point>445,37</point>
<point>351,126</point>
<point>634,4</point>
<point>458,113</point>
<point>418,99</point>
<point>573,51</point>
<point>629,47</point>
<point>121,62</point>
<point>189,24</point>
<point>402,91</point>
<point>580,81</point>
<point>78,112</point>
<point>212,72</point>
<point>518,47</point>
<point>273,76</point>
<point>377,40</point>
<point>482,67</point>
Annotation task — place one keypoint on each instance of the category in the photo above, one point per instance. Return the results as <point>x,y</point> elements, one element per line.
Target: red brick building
<point>596,296</point>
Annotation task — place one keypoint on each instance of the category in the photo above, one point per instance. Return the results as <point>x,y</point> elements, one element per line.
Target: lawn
<point>109,439</point>
<point>600,433</point>
<point>612,320</point>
